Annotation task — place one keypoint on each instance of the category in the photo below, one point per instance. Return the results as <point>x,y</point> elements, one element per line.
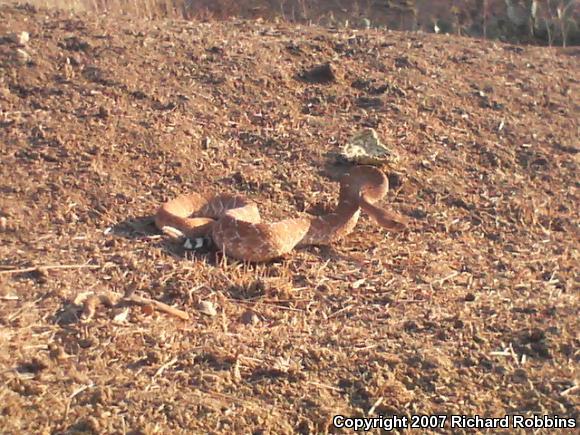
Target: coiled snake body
<point>234,224</point>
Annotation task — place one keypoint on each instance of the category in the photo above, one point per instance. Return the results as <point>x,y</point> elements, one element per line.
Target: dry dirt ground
<point>474,310</point>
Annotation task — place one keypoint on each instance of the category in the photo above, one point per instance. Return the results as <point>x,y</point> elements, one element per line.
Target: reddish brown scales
<point>234,221</point>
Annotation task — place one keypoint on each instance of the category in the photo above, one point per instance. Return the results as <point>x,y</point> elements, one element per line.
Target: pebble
<point>207,308</point>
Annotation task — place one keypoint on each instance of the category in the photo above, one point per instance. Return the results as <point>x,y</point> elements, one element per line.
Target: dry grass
<point>136,8</point>
<point>473,311</point>
<point>553,22</point>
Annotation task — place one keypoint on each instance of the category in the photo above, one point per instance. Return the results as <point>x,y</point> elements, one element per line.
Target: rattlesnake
<point>234,224</point>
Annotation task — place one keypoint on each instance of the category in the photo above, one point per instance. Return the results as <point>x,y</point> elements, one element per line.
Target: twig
<point>570,390</point>
<point>159,305</point>
<point>9,298</point>
<point>90,302</point>
<point>50,267</point>
<point>446,278</point>
<point>375,405</point>
<point>257,300</point>
<point>160,371</point>
<point>340,311</point>
<point>72,396</point>
<point>249,358</point>
<point>500,353</point>
<point>330,387</point>
<point>165,366</point>
<point>282,307</point>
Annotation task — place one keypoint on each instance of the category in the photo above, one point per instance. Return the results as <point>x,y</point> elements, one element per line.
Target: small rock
<point>74,43</point>
<point>281,364</point>
<point>207,308</point>
<point>250,318</point>
<point>22,38</point>
<point>403,62</point>
<point>148,309</point>
<point>519,376</point>
<point>121,316</point>
<point>56,352</point>
<point>23,56</point>
<point>370,102</point>
<point>35,365</point>
<point>85,343</point>
<point>320,74</point>
<point>410,326</point>
<point>103,112</point>
<point>542,349</point>
<point>4,92</point>
<point>366,148</point>
<point>469,297</point>
<point>89,307</point>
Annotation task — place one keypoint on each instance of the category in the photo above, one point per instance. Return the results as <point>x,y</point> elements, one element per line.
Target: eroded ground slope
<point>472,311</point>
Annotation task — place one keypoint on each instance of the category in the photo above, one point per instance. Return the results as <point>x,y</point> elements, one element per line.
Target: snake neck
<point>327,228</point>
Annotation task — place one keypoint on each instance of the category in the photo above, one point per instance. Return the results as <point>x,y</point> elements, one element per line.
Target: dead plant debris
<point>473,311</point>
